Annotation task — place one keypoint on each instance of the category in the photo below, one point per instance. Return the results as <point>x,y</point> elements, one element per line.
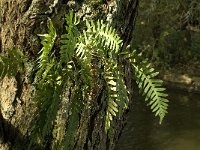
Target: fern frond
<point>122,94</point>
<point>153,91</point>
<point>69,40</point>
<point>48,99</point>
<point>11,63</point>
<point>82,50</point>
<point>117,98</point>
<point>112,107</point>
<point>45,52</point>
<point>51,112</point>
<point>98,39</point>
<point>104,35</point>
<point>150,87</point>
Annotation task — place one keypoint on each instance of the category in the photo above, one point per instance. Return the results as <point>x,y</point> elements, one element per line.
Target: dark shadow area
<point>12,135</point>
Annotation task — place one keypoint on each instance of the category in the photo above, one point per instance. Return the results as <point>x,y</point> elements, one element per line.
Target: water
<point>179,131</point>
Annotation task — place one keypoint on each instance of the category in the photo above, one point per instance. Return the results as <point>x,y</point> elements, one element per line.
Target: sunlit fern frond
<point>117,100</point>
<point>153,91</point>
<point>84,53</point>
<point>47,43</point>
<point>69,40</point>
<point>150,87</point>
<point>112,106</point>
<point>104,35</point>
<point>11,63</point>
<point>84,57</point>
<point>85,42</point>
<point>98,38</point>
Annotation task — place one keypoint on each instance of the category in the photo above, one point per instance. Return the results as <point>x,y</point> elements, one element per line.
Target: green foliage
<point>47,43</point>
<point>69,40</point>
<point>112,107</point>
<point>11,63</point>
<point>168,31</point>
<point>101,40</point>
<point>83,57</point>
<point>105,36</point>
<point>53,75</point>
<point>122,94</point>
<point>117,93</point>
<point>150,87</point>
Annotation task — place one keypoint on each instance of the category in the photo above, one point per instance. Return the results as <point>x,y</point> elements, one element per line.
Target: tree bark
<point>21,21</point>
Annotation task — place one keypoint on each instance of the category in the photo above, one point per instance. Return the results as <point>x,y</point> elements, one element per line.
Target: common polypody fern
<point>83,57</point>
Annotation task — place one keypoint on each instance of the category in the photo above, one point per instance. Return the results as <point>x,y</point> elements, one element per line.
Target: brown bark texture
<point>20,22</point>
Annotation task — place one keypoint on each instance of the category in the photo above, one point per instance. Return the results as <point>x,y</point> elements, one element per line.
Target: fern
<point>104,35</point>
<point>46,53</point>
<point>11,63</point>
<point>102,40</point>
<point>105,43</point>
<point>99,38</point>
<point>150,87</point>
<point>51,78</point>
<point>84,56</point>
<point>112,107</point>
<point>69,40</point>
<point>122,94</point>
<point>117,93</point>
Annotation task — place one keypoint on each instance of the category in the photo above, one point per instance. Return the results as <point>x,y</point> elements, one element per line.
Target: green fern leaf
<point>11,63</point>
<point>117,93</point>
<point>45,52</point>
<point>98,39</point>
<point>69,40</point>
<point>150,87</point>
<point>112,107</point>
<point>122,95</point>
